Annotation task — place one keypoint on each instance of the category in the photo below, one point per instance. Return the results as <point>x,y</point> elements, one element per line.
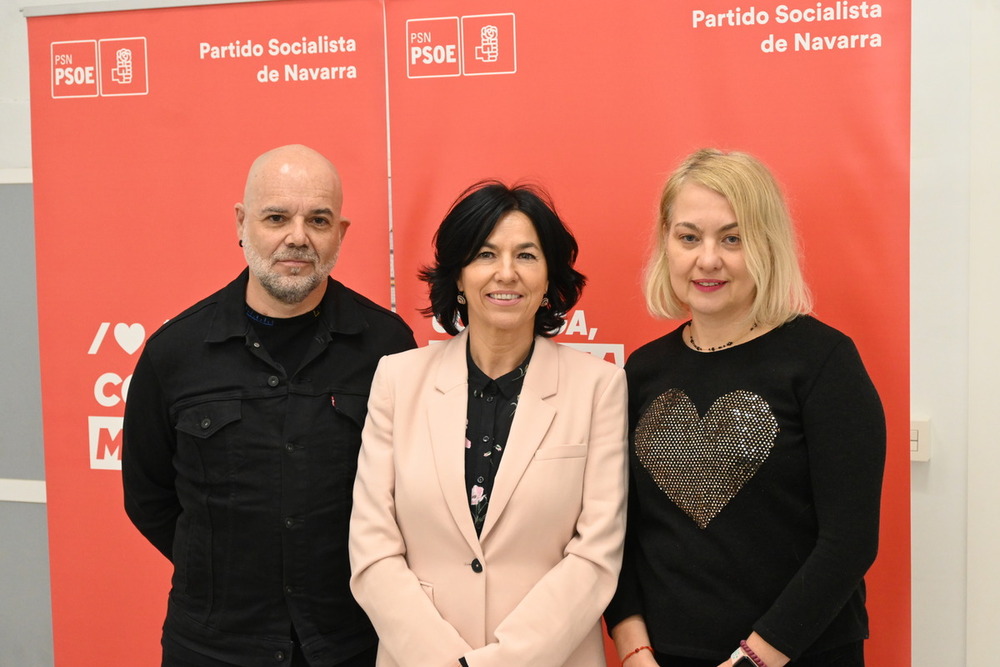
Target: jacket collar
<point>541,381</point>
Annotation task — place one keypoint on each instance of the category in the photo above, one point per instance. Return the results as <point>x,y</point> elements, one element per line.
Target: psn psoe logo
<point>450,46</point>
<point>102,68</point>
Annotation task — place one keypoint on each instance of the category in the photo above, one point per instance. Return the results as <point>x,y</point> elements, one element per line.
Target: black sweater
<point>754,494</point>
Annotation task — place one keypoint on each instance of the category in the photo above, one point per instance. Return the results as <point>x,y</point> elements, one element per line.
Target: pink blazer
<point>531,590</point>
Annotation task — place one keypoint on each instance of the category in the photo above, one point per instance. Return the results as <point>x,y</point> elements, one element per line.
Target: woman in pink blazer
<point>489,503</point>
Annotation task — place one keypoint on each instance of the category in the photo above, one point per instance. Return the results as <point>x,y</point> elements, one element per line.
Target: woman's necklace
<point>719,347</point>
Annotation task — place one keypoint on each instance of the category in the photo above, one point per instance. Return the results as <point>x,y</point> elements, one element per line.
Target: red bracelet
<point>753,656</point>
<point>636,650</point>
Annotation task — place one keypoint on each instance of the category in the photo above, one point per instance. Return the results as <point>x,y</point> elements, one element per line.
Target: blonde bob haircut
<point>769,243</point>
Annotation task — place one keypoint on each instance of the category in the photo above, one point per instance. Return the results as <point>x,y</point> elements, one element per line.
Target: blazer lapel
<point>446,413</point>
<point>531,422</point>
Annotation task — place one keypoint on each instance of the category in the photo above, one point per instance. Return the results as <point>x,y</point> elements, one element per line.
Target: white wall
<point>15,127</point>
<point>955,319</point>
<point>983,582</point>
<point>955,365</point>
<point>939,324</point>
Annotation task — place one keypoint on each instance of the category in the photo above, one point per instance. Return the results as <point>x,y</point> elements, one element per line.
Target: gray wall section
<point>20,388</point>
<point>25,608</point>
<point>25,601</point>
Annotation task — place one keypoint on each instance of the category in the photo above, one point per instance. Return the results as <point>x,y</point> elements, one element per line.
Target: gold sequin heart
<point>701,463</point>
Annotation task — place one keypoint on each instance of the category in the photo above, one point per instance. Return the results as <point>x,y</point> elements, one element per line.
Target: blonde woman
<point>757,445</point>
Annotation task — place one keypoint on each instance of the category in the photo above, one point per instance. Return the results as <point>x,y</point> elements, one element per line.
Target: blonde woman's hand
<point>641,659</point>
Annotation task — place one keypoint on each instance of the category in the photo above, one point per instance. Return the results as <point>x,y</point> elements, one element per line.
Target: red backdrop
<point>144,123</point>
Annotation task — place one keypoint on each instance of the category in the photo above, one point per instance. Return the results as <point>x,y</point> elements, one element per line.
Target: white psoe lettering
<point>440,54</point>
<point>73,76</point>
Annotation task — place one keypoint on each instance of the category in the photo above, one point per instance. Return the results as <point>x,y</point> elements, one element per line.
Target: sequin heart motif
<point>701,463</point>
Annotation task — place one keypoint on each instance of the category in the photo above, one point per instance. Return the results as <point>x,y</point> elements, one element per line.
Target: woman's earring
<point>545,302</point>
<point>461,298</point>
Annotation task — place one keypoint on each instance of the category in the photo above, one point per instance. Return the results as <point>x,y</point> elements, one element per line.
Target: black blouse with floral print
<point>488,420</point>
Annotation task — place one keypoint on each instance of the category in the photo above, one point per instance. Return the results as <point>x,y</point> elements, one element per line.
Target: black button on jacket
<point>241,474</point>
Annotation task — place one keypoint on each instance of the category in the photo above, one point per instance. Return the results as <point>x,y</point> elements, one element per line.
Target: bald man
<point>241,437</point>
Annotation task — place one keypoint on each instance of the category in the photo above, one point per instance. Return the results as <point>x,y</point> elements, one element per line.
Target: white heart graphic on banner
<point>130,336</point>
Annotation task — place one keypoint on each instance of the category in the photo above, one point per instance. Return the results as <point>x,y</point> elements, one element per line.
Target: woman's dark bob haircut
<point>465,229</point>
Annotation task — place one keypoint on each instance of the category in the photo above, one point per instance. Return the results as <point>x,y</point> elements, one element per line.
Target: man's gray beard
<point>291,290</point>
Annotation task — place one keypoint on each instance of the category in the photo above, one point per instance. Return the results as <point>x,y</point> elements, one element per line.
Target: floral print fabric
<point>491,407</point>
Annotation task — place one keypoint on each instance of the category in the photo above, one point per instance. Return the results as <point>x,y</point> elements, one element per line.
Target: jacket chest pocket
<point>352,406</point>
<point>205,441</point>
<point>204,420</point>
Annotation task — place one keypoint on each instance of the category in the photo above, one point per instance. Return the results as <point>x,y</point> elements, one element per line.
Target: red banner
<point>145,122</point>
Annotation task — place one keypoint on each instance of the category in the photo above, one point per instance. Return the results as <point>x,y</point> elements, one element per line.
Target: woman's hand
<point>641,659</point>
<point>629,635</point>
<point>771,656</point>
